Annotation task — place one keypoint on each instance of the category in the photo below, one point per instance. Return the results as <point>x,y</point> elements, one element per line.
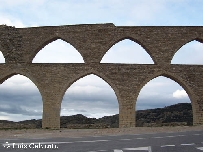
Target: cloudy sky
<point>90,95</point>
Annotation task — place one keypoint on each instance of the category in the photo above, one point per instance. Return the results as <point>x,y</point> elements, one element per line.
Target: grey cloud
<point>96,109</point>
<point>103,95</point>
<point>82,110</point>
<point>15,90</point>
<point>89,104</point>
<point>25,99</point>
<point>17,109</point>
<point>26,104</point>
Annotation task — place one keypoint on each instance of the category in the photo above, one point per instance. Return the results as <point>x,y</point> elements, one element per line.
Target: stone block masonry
<point>20,45</point>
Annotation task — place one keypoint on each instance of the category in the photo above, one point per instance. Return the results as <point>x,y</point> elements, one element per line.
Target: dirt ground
<point>48,133</point>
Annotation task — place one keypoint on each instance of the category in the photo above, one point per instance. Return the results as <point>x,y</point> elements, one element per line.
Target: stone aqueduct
<point>20,45</point>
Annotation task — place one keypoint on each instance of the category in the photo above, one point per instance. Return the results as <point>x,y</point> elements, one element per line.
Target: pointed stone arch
<point>96,100</point>
<point>189,48</point>
<point>55,40</point>
<point>173,77</point>
<point>105,80</point>
<point>101,76</point>
<point>134,42</point>
<point>179,81</point>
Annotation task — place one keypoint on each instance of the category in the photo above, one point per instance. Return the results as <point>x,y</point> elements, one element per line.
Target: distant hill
<point>175,115</point>
<point>178,114</point>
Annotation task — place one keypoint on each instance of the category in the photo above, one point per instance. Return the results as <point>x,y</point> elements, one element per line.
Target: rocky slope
<point>175,115</point>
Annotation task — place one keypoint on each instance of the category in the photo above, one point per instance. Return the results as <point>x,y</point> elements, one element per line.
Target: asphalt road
<point>191,141</point>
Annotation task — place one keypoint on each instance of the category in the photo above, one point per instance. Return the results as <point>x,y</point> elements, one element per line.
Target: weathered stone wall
<point>20,45</point>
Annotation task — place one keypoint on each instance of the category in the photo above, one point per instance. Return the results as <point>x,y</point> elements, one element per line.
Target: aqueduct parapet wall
<point>20,45</point>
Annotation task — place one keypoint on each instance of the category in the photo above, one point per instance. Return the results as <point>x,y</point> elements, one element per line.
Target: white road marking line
<point>168,146</point>
<point>197,134</point>
<point>170,136</point>
<point>180,135</point>
<point>125,139</point>
<point>140,148</point>
<point>157,137</point>
<point>102,150</point>
<point>200,148</point>
<point>139,138</point>
<point>150,149</point>
<point>187,144</point>
<point>92,141</point>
